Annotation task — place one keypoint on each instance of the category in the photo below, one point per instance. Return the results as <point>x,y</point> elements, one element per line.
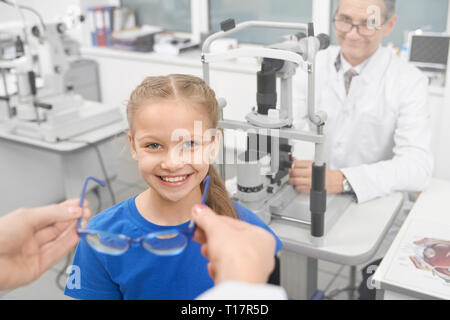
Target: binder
<point>108,16</point>
<point>90,18</point>
<point>118,19</point>
<point>100,27</point>
<point>124,18</point>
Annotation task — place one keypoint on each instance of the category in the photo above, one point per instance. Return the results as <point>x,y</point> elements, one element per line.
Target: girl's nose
<point>173,161</point>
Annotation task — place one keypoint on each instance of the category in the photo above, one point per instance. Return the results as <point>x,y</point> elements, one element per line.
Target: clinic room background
<point>87,56</point>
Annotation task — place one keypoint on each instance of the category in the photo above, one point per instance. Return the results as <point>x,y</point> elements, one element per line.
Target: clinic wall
<point>240,96</point>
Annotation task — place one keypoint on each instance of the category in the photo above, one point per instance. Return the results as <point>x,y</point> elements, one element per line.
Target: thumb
<point>44,216</point>
<point>204,217</point>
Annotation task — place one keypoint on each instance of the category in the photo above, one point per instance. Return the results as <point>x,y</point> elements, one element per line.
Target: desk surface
<point>355,237</point>
<point>431,209</point>
<point>93,136</point>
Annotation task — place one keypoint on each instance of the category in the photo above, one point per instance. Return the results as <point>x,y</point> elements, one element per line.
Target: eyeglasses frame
<point>357,26</point>
<point>188,231</point>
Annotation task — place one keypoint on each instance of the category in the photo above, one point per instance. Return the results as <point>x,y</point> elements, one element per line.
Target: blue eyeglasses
<point>164,243</point>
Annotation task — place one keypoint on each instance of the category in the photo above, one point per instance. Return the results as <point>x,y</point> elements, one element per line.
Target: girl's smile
<point>175,181</point>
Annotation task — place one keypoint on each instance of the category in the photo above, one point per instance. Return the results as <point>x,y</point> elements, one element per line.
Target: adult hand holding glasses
<point>237,251</point>
<point>33,240</point>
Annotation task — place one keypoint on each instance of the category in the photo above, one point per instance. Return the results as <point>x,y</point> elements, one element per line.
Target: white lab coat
<point>379,135</point>
<point>236,290</point>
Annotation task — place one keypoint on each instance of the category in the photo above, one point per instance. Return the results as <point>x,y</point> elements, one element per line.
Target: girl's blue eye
<point>153,146</point>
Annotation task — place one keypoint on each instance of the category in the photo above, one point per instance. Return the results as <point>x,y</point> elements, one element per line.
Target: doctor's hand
<point>33,240</point>
<point>301,174</point>
<point>237,251</point>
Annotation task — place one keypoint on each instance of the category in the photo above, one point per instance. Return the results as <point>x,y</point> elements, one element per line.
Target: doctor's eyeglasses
<point>366,29</point>
<point>165,243</point>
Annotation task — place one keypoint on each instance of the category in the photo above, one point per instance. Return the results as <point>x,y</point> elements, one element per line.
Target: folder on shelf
<point>90,18</point>
<point>108,19</point>
<point>100,27</point>
<point>124,18</point>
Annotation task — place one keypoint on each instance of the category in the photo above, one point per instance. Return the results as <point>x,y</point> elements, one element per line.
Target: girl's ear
<point>213,148</point>
<point>216,143</point>
<point>132,146</point>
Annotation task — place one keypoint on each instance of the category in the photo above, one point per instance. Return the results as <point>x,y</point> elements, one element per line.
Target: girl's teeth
<point>176,179</point>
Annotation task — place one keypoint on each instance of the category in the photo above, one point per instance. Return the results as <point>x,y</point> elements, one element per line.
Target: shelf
<point>190,58</point>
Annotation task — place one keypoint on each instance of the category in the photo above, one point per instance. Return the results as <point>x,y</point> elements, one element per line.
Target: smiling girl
<point>158,110</point>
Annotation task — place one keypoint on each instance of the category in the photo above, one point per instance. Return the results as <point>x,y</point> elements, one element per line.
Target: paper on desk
<point>133,34</point>
<point>422,261</point>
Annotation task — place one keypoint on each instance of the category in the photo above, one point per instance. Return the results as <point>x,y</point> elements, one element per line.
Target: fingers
<point>74,203</point>
<point>46,235</point>
<point>301,169</point>
<point>50,231</point>
<point>65,211</point>
<point>301,172</point>
<point>303,189</point>
<point>208,221</point>
<point>211,271</point>
<point>44,216</point>
<point>300,175</point>
<point>199,236</point>
<point>55,250</point>
<point>305,182</point>
<point>204,251</point>
<point>302,164</point>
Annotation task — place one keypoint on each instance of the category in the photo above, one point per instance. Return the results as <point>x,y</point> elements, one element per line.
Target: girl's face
<point>173,147</point>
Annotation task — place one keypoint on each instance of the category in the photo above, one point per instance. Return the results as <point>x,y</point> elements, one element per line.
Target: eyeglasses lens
<point>364,30</point>
<point>165,243</point>
<point>108,243</point>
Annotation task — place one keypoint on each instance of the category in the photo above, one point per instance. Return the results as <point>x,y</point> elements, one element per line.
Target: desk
<point>34,172</point>
<point>353,240</point>
<point>430,209</point>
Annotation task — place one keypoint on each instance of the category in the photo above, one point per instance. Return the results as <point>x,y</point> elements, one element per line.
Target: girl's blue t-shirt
<point>139,274</point>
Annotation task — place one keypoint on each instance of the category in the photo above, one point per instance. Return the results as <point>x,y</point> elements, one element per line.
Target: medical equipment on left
<point>40,104</point>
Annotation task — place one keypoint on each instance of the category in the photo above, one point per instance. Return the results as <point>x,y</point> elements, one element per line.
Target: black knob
<point>227,25</point>
<point>61,28</point>
<point>35,31</point>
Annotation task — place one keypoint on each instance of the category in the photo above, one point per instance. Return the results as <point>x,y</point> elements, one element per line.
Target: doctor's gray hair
<point>390,8</point>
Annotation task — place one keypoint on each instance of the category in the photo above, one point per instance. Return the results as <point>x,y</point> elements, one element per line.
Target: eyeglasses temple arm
<point>205,190</point>
<point>83,193</point>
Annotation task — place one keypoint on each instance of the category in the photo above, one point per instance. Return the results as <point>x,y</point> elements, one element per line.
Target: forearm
<point>385,177</point>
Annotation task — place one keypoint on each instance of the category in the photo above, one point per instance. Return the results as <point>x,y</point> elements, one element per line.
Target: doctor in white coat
<point>378,133</point>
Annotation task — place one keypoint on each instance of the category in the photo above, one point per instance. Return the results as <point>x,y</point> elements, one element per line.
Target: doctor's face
<point>359,45</point>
